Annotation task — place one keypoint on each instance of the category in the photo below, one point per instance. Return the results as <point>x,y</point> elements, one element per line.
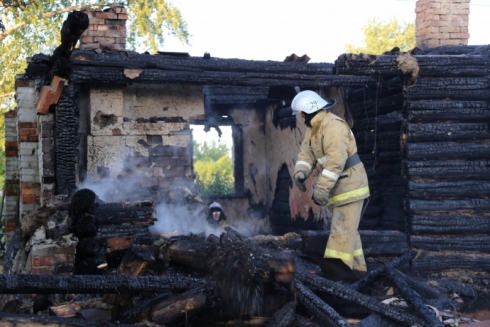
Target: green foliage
<point>382,36</point>
<point>214,169</point>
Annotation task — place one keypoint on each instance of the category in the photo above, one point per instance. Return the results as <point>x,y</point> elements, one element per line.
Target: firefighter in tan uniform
<point>343,183</point>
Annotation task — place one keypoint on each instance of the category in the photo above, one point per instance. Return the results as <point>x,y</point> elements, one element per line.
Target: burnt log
<point>480,243</point>
<point>372,275</point>
<point>85,227</point>
<point>454,88</point>
<point>87,284</point>
<point>320,284</point>
<point>37,320</point>
<point>460,111</point>
<point>119,213</point>
<point>447,150</point>
<point>439,261</point>
<point>364,64</point>
<point>448,169</point>
<point>382,90</point>
<point>374,243</point>
<point>283,317</point>
<point>432,132</point>
<point>450,224</point>
<point>413,298</point>
<point>316,307</point>
<point>188,307</point>
<point>453,189</point>
<point>139,234</point>
<point>444,205</point>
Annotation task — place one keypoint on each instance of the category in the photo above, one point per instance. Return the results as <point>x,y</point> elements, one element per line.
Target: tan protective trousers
<point>344,241</point>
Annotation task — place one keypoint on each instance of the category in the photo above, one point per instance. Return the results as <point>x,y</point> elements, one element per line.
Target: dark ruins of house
<point>122,119</point>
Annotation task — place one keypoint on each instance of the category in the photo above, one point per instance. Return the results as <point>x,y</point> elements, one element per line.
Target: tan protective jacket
<point>330,142</point>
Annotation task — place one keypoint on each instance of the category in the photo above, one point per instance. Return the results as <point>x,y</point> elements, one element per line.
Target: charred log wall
<point>376,112</point>
<point>445,163</point>
<point>436,134</point>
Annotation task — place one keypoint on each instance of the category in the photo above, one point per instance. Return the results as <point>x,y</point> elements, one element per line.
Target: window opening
<point>213,161</point>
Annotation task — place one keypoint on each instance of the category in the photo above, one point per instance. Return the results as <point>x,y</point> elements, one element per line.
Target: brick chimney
<point>106,29</point>
<point>442,22</point>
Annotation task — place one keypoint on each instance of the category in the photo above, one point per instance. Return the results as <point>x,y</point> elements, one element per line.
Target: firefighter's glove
<point>320,196</point>
<point>299,180</point>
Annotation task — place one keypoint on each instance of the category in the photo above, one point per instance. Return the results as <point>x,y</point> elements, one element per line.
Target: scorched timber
<point>135,61</point>
<point>447,132</point>
<point>447,150</point>
<point>9,319</point>
<point>450,224</point>
<point>155,76</point>
<point>440,243</point>
<point>437,261</point>
<point>456,88</point>
<point>92,284</point>
<point>427,190</point>
<point>316,307</point>
<point>320,284</point>
<point>475,205</point>
<point>448,169</point>
<point>461,111</point>
<point>414,299</point>
<point>118,213</point>
<point>369,278</point>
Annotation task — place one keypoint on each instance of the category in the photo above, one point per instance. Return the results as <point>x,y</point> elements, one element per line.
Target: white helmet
<point>310,102</point>
<point>215,205</point>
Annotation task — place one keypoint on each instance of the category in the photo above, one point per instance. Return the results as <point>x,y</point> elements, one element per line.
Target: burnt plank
<point>447,150</point>
<point>462,111</point>
<point>449,205</point>
<point>450,224</point>
<point>478,169</point>
<point>118,213</point>
<point>431,132</point>
<point>479,243</point>
<point>437,261</point>
<point>465,188</point>
<point>374,243</point>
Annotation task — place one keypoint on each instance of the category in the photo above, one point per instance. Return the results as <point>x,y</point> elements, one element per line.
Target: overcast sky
<point>274,29</point>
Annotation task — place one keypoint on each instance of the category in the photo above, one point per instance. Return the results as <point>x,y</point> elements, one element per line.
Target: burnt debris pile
<point>195,280</point>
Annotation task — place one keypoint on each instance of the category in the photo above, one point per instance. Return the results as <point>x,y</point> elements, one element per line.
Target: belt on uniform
<point>352,161</point>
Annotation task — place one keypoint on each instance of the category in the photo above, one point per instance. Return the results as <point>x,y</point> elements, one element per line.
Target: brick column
<point>442,22</point>
<point>11,174</point>
<point>28,147</point>
<point>106,30</point>
<point>46,156</point>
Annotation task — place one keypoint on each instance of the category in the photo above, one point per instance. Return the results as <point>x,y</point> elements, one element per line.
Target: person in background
<point>343,183</point>
<point>216,217</point>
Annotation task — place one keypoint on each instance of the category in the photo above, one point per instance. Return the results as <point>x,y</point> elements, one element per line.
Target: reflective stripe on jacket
<point>329,143</point>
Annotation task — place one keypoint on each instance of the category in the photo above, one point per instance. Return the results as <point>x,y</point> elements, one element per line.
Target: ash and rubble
<point>200,279</point>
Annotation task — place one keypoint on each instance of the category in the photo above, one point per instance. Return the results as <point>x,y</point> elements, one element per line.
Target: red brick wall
<point>106,30</point>
<point>442,22</point>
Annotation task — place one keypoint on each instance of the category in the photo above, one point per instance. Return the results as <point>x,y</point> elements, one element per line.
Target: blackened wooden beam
<point>317,307</point>
<point>447,150</point>
<point>450,224</point>
<point>448,205</point>
<point>372,275</point>
<point>374,243</point>
<point>454,88</point>
<point>414,299</point>
<point>429,65</point>
<point>321,284</point>
<point>430,189</point>
<point>459,111</point>
<point>118,213</point>
<point>479,243</point>
<point>135,60</point>
<point>431,132</point>
<point>92,284</point>
<point>10,319</point>
<point>475,169</point>
<point>439,261</point>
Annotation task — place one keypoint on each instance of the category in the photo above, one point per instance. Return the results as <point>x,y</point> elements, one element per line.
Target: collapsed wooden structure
<point>421,124</point>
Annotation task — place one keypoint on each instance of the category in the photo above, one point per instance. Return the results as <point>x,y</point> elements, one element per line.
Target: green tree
<point>28,27</point>
<point>382,36</point>
<point>214,169</point>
